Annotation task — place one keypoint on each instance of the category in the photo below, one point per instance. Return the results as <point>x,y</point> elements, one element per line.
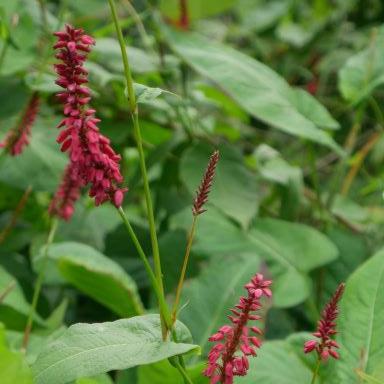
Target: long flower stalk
<point>197,209</point>
<point>39,283</point>
<point>133,107</point>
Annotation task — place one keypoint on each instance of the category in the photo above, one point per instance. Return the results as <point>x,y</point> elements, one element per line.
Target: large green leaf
<point>196,8</point>
<point>91,349</point>
<point>97,276</point>
<point>361,323</point>
<point>363,72</point>
<point>292,251</point>
<point>14,308</point>
<point>234,191</point>
<point>277,362</point>
<point>253,85</point>
<point>209,296</point>
<point>13,367</point>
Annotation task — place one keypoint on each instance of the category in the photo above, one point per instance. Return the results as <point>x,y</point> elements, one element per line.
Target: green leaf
<point>164,372</point>
<point>361,322</point>
<point>91,349</point>
<point>292,251</point>
<point>235,189</point>
<point>13,367</point>
<point>308,106</point>
<point>14,308</point>
<point>253,85</point>
<point>196,9</point>
<point>277,362</point>
<point>41,160</point>
<point>209,296</point>
<point>145,94</point>
<point>97,276</point>
<point>363,72</point>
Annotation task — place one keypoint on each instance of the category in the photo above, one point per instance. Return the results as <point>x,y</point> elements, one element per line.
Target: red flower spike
<point>18,137</point>
<point>63,202</point>
<point>229,357</point>
<point>326,327</point>
<point>93,161</point>
<point>205,186</point>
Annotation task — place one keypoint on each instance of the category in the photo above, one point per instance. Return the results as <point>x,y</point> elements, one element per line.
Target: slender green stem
<point>160,297</point>
<point>3,52</point>
<point>183,372</point>
<point>38,284</point>
<point>136,127</point>
<point>191,235</point>
<point>316,371</point>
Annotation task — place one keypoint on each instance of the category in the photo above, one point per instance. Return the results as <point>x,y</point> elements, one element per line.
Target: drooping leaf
<point>361,322</point>
<point>97,276</point>
<point>235,189</point>
<point>91,349</point>
<point>254,86</point>
<point>209,296</point>
<point>101,379</point>
<point>363,72</point>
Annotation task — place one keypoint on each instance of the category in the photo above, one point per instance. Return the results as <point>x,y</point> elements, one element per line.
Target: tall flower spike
<point>93,160</point>
<point>18,137</point>
<point>205,186</point>
<point>236,342</point>
<point>67,194</point>
<point>326,328</point>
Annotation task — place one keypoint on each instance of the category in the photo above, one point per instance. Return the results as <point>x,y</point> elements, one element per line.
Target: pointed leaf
<point>253,85</point>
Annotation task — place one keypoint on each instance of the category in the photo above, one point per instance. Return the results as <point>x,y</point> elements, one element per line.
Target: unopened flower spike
<point>93,161</point>
<point>205,187</point>
<point>325,346</point>
<point>236,342</point>
<point>18,137</point>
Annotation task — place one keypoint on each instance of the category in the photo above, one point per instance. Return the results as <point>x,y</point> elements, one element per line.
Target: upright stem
<point>184,268</point>
<point>136,127</point>
<point>38,284</point>
<point>160,297</point>
<point>316,371</point>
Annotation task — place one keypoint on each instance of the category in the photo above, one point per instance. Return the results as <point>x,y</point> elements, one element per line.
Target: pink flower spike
<point>228,358</point>
<point>93,160</point>
<point>326,328</point>
<point>18,137</point>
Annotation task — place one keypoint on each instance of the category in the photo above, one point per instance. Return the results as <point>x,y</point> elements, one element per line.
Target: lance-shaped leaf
<point>361,322</point>
<point>255,87</point>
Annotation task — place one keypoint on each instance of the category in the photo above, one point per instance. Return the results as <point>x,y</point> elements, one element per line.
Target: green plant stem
<point>38,284</point>
<point>159,295</point>
<point>316,371</point>
<point>183,372</point>
<point>136,127</point>
<point>191,235</point>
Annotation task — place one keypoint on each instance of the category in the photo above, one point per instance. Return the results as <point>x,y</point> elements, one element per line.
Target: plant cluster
<point>213,190</point>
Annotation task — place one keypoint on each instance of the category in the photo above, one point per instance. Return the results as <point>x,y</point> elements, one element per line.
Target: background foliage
<point>291,93</point>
